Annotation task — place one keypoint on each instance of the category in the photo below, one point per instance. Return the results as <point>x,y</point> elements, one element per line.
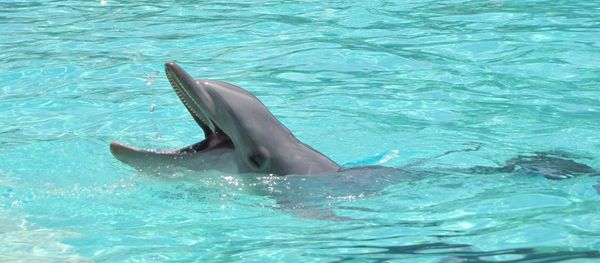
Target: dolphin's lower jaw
<point>155,161</point>
<point>251,140</point>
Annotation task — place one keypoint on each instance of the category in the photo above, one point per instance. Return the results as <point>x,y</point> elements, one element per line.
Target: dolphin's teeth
<point>188,100</point>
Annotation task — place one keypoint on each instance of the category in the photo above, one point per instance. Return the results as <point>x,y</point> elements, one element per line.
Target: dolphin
<point>240,135</point>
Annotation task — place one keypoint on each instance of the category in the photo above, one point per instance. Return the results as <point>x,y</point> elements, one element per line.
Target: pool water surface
<point>392,83</point>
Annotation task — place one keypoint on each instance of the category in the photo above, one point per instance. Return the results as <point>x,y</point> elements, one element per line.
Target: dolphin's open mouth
<point>188,90</point>
<point>184,86</point>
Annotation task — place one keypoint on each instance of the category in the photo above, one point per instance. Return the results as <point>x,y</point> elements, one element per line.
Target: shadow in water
<point>550,164</point>
<point>451,253</point>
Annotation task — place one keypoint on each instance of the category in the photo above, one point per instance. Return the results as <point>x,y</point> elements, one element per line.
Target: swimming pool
<point>381,82</point>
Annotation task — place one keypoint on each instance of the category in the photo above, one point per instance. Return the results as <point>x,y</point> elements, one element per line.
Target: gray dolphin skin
<point>240,135</point>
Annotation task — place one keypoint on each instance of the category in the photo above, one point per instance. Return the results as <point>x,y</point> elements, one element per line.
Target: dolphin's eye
<point>256,159</point>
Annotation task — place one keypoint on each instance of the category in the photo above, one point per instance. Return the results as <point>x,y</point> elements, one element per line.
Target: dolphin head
<point>230,115</point>
<point>262,144</point>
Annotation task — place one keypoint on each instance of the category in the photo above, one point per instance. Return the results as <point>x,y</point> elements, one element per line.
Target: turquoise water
<point>377,82</point>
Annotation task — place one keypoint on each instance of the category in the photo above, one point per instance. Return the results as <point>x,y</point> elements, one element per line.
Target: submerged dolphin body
<point>241,135</point>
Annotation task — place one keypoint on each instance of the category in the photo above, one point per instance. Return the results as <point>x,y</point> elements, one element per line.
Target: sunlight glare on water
<point>393,83</point>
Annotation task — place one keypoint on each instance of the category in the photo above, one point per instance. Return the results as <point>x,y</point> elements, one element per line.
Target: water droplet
<point>151,77</point>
